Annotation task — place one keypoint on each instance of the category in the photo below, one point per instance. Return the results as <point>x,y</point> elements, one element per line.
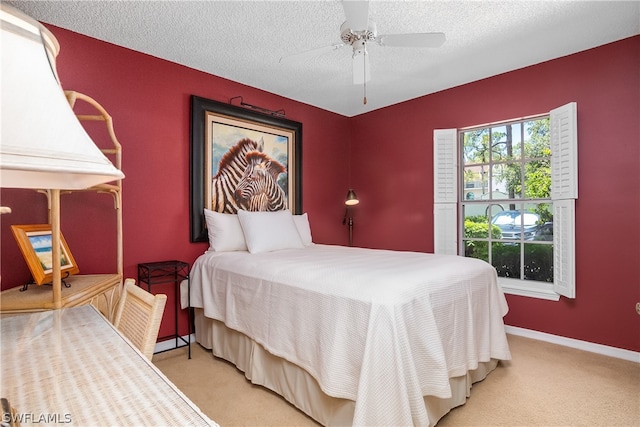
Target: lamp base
<point>350,231</point>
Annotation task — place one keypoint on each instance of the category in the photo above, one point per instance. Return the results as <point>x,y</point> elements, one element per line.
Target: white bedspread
<point>382,328</point>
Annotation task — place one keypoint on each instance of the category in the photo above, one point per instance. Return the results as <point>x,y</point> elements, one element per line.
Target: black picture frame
<point>206,111</point>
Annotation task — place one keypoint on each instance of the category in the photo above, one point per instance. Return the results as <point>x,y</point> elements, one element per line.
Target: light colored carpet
<point>544,385</point>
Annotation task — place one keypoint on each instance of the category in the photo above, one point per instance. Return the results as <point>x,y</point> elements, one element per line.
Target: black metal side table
<point>154,273</point>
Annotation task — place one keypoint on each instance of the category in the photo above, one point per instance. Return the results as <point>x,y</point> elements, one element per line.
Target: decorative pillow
<point>302,224</point>
<point>225,232</point>
<point>269,231</point>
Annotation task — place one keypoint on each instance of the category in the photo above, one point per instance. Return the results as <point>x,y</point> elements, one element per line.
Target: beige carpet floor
<point>543,385</point>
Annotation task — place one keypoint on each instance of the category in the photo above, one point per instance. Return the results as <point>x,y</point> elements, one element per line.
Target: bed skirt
<point>300,388</point>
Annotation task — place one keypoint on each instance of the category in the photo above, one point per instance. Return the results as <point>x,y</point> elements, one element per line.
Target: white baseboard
<point>170,344</point>
<point>619,353</point>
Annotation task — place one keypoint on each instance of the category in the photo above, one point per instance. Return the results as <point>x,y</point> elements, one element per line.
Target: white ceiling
<point>244,40</point>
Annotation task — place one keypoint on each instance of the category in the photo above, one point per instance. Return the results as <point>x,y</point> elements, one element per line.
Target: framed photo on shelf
<point>241,159</point>
<point>35,242</point>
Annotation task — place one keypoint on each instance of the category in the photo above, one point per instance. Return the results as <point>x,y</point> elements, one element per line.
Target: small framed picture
<point>35,242</point>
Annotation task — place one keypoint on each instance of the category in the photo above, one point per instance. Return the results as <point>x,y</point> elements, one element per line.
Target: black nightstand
<point>154,273</point>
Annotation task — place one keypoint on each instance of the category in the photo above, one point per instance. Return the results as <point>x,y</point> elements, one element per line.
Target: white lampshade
<point>42,145</point>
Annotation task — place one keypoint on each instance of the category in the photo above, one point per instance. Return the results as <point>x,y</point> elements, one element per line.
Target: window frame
<point>564,170</point>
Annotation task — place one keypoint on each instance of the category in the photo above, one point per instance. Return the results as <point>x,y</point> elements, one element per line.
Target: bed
<point>351,336</point>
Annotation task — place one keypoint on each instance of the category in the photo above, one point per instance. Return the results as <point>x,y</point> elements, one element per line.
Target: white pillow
<point>302,224</point>
<point>269,231</point>
<point>225,232</point>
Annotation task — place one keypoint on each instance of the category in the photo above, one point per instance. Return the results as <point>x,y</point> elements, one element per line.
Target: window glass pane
<point>506,181</point>
<point>506,142</point>
<point>476,226</point>
<point>476,147</point>
<point>475,182</point>
<point>537,179</point>
<point>510,221</point>
<point>505,257</point>
<point>495,215</point>
<point>476,249</point>
<point>477,213</point>
<point>538,150</point>
<point>537,139</point>
<point>538,262</point>
<point>529,221</point>
<point>544,229</point>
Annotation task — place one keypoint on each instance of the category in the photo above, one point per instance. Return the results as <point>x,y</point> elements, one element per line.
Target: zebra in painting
<point>258,189</point>
<point>231,169</point>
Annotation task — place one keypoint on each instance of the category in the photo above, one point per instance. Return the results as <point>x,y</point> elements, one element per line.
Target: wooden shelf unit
<point>100,290</point>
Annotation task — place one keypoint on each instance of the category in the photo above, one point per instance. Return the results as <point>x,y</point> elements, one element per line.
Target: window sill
<point>528,289</point>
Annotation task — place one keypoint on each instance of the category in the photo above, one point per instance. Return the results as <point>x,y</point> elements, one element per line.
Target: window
<point>514,206</point>
<point>502,224</point>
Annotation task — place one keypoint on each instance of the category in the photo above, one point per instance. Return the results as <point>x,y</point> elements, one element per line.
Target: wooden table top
<point>72,367</point>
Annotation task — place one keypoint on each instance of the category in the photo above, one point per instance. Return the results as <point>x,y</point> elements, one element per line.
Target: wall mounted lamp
<point>351,200</point>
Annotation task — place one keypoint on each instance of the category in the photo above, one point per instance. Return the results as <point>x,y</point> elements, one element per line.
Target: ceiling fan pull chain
<point>364,79</point>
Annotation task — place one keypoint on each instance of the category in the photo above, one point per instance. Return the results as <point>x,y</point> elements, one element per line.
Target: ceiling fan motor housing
<point>358,38</point>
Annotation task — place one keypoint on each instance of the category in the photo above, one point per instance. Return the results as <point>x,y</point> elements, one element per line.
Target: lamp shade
<point>42,143</point>
<point>351,199</point>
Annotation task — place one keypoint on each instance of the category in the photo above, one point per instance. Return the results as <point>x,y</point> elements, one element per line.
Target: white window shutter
<point>564,267</point>
<point>445,230</point>
<point>564,152</point>
<point>445,161</point>
<point>564,191</point>
<point>445,191</point>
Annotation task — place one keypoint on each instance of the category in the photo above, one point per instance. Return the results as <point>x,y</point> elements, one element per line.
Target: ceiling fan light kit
<point>350,37</point>
<point>358,30</point>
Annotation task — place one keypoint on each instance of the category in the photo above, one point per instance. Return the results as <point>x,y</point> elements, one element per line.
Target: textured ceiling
<point>244,40</point>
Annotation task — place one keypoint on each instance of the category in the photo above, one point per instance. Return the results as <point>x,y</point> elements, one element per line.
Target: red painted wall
<point>391,170</point>
<point>393,175</point>
<point>149,100</point>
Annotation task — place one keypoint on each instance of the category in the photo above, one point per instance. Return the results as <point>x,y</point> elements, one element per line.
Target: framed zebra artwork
<point>241,159</point>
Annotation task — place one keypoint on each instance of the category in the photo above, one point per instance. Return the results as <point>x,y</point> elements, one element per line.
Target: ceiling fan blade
<point>361,68</point>
<point>412,40</point>
<point>308,54</point>
<point>356,13</point>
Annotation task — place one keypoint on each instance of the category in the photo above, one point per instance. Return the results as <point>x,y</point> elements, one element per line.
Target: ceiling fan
<point>358,31</point>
